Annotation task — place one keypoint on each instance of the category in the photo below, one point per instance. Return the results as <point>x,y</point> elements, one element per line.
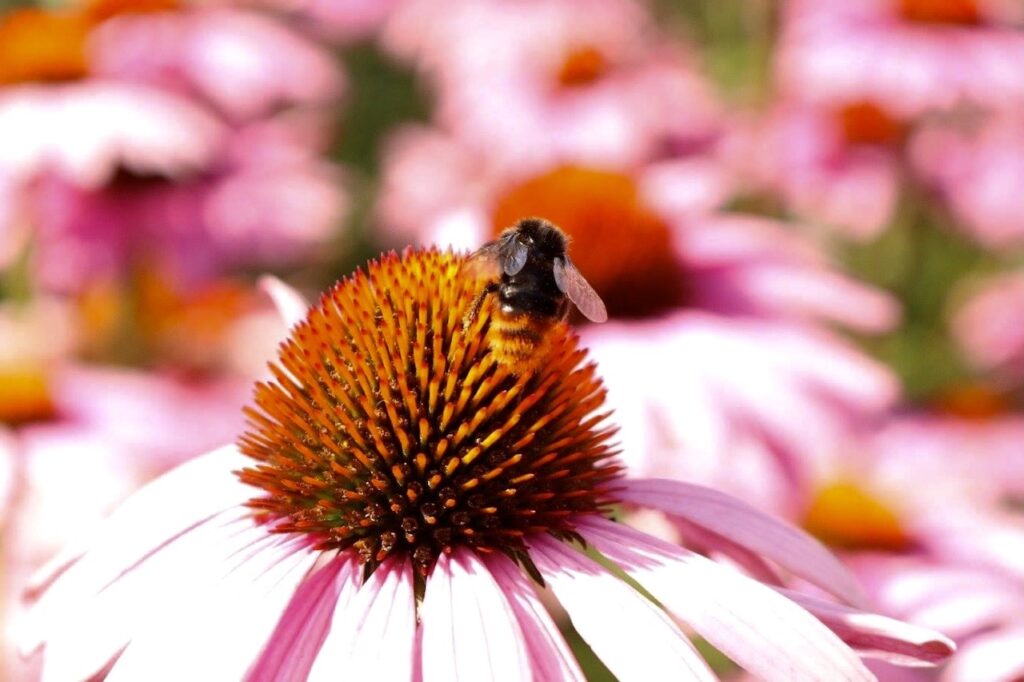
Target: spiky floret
<point>391,429</point>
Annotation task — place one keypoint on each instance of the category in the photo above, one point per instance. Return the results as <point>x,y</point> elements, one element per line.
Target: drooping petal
<point>761,630</point>
<point>634,638</point>
<point>374,635</point>
<point>548,651</point>
<point>737,521</point>
<point>301,632</point>
<point>879,636</point>
<point>217,629</point>
<point>149,520</point>
<point>290,304</point>
<point>470,631</point>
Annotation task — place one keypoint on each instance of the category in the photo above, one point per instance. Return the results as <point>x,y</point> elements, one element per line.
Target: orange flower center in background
<point>867,123</point>
<point>974,401</point>
<point>941,11</point>
<point>623,248</point>
<point>24,394</point>
<point>844,515</point>
<point>392,429</point>
<point>100,10</point>
<point>37,45</point>
<point>582,65</point>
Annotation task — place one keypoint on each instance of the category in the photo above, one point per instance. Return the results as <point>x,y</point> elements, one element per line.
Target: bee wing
<point>504,254</point>
<point>514,257</point>
<point>485,262</point>
<point>570,281</point>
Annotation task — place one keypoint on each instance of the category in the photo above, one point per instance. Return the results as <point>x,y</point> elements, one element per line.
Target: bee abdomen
<point>519,341</point>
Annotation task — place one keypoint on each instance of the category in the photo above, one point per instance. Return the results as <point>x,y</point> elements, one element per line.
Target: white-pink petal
<point>550,656</point>
<point>215,630</point>
<point>759,629</point>
<point>93,626</point>
<point>290,304</point>
<point>469,629</point>
<point>878,636</point>
<point>634,638</point>
<point>373,636</point>
<point>149,520</point>
<point>296,641</point>
<point>741,523</point>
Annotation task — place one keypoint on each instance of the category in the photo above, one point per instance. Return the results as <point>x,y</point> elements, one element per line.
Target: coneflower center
<point>868,123</point>
<point>390,429</point>
<point>940,11</point>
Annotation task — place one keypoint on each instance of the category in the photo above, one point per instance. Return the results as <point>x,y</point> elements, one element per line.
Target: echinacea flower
<point>590,79</point>
<point>946,551</point>
<point>836,166</point>
<point>246,64</point>
<point>393,503</point>
<point>976,170</point>
<point>906,56</point>
<point>53,117</point>
<point>164,137</point>
<point>980,608</point>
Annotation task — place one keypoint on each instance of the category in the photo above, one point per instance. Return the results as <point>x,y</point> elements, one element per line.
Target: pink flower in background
<point>269,199</point>
<point>981,609</point>
<point>244,64</point>
<point>726,309</point>
<point>592,81</point>
<point>908,56</point>
<point>989,326</point>
<point>978,173</point>
<point>221,537</point>
<point>919,510</point>
<point>87,131</point>
<point>837,167</point>
<point>159,148</point>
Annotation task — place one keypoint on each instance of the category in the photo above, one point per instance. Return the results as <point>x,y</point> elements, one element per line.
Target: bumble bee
<point>529,271</point>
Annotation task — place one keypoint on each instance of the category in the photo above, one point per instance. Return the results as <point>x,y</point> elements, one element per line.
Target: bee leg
<point>478,302</point>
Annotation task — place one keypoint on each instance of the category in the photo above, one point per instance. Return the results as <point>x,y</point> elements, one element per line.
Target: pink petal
<point>996,657</point>
<point>738,522</point>
<point>149,520</point>
<point>761,630</point>
<point>628,632</point>
<point>290,304</point>
<point>218,628</point>
<point>549,654</point>
<point>878,636</point>
<point>374,635</point>
<point>470,631</point>
<point>301,632</point>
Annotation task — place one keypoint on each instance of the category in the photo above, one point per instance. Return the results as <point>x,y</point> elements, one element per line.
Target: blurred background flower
<point>804,216</point>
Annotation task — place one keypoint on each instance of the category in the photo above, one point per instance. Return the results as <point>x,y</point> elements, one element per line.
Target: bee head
<point>541,236</point>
